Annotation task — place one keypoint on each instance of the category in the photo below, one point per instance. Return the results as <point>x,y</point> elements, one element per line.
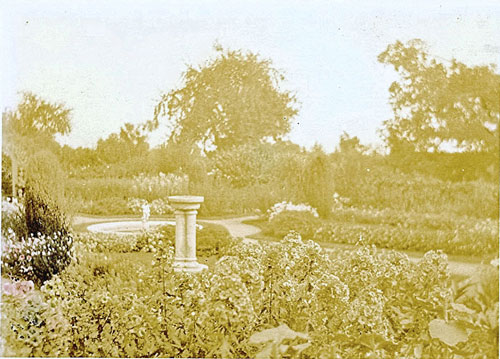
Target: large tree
<point>31,128</point>
<point>118,147</point>
<point>230,100</point>
<point>437,102</point>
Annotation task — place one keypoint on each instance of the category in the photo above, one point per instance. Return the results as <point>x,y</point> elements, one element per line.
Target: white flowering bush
<point>340,202</point>
<point>13,217</point>
<point>36,240</point>
<point>36,257</point>
<point>158,206</point>
<point>161,206</point>
<point>289,206</point>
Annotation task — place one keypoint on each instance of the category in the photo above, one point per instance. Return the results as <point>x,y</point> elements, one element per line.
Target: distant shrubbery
<point>392,229</point>
<point>368,181</point>
<point>302,222</point>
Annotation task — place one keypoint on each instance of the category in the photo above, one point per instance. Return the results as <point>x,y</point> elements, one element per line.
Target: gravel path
<point>241,230</point>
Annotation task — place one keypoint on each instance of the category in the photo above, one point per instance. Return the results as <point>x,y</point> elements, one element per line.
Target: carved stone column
<point>185,233</point>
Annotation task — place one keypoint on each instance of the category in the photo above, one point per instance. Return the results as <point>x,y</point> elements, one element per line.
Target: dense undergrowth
<point>348,305</point>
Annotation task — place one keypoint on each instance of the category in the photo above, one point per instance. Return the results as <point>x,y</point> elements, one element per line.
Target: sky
<point>110,61</point>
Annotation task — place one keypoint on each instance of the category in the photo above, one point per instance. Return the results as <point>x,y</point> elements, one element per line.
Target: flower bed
<point>386,229</point>
<point>288,299</point>
<point>458,241</point>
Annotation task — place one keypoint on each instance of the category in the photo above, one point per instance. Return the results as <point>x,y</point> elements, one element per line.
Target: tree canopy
<point>28,139</point>
<point>33,124</point>
<point>35,116</point>
<point>118,147</point>
<point>228,101</point>
<point>435,102</point>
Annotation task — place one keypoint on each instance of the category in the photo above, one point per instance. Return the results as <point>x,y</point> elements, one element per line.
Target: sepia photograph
<point>250,179</point>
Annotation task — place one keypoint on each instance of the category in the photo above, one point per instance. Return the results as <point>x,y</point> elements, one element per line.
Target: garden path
<point>245,231</point>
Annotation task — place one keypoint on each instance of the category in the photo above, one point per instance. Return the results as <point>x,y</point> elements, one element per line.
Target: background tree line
<point>228,121</point>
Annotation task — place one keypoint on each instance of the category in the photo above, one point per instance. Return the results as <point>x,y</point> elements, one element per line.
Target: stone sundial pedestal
<point>185,233</point>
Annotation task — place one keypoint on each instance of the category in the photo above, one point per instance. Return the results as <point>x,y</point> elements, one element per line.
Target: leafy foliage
<point>129,142</point>
<point>43,215</point>
<point>292,295</point>
<point>303,222</point>
<point>435,103</point>
<point>228,101</point>
<point>35,116</point>
<point>317,184</point>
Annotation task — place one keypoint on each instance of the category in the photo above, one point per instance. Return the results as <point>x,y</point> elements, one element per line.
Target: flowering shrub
<point>158,206</point>
<point>39,244</point>
<point>13,217</point>
<point>161,206</point>
<point>37,257</point>
<point>339,202</point>
<point>360,304</point>
<point>277,208</point>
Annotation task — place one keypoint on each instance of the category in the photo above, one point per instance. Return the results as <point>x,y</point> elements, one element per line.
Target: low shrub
<point>277,208</point>
<point>385,229</point>
<point>472,241</point>
<point>362,304</point>
<point>107,242</point>
<point>36,241</point>
<point>303,222</point>
<point>433,221</point>
<point>36,258</point>
<point>211,239</point>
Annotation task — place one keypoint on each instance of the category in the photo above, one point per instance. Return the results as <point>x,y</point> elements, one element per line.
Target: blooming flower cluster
<point>157,206</point>
<point>37,257</point>
<point>289,206</point>
<point>18,288</point>
<point>160,185</point>
<point>13,216</point>
<point>339,202</point>
<point>11,205</point>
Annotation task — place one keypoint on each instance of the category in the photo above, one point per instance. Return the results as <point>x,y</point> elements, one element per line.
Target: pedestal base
<point>188,267</point>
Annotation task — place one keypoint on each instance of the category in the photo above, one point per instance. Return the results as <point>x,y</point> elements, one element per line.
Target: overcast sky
<point>111,60</point>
